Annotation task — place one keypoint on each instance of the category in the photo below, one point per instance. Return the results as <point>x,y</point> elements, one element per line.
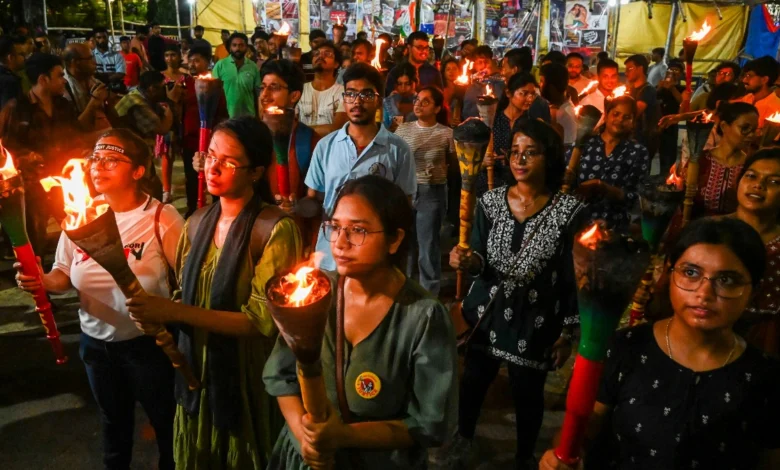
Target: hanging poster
<point>459,19</point>
<point>575,28</point>
<point>577,17</point>
<point>593,38</point>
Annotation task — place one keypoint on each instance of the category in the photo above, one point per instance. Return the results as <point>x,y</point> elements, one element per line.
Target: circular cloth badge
<point>368,385</point>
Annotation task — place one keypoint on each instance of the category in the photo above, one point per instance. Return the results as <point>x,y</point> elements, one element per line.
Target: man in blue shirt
<point>419,50</point>
<point>357,149</point>
<point>110,64</point>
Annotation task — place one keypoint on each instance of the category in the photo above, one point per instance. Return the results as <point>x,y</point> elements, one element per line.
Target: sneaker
<point>456,454</point>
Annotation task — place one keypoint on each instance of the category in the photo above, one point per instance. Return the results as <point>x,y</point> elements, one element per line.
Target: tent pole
<point>111,18</point>
<point>538,28</point>
<point>122,17</point>
<point>617,28</point>
<point>178,20</point>
<point>670,34</point>
<point>45,18</point>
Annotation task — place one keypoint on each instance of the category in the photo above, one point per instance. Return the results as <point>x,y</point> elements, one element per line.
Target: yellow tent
<point>216,15</point>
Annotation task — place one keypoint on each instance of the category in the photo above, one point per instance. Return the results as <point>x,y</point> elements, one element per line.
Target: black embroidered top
<point>668,417</point>
<point>534,301</point>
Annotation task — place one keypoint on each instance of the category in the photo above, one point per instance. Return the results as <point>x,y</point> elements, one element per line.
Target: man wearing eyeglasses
<point>725,72</point>
<point>419,50</point>
<point>759,76</point>
<point>320,106</point>
<point>89,96</point>
<point>359,148</point>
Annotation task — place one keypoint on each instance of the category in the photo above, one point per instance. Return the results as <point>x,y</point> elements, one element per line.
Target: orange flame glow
<point>619,91</point>
<point>8,170</point>
<point>305,285</point>
<point>591,86</point>
<point>577,110</point>
<point>774,118</point>
<point>674,179</point>
<point>378,48</point>
<point>707,117</point>
<point>489,91</point>
<point>204,76</point>
<point>701,33</point>
<point>274,110</point>
<point>80,208</point>
<point>284,30</point>
<point>592,237</point>
<point>463,79</point>
<point>338,21</point>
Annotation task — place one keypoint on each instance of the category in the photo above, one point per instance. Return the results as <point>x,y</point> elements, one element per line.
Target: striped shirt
<point>429,146</point>
<point>109,61</point>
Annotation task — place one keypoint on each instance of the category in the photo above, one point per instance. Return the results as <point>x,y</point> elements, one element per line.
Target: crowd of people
<point>371,156</point>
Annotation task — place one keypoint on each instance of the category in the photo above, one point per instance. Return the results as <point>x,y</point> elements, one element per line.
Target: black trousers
<point>527,388</point>
<point>190,180</point>
<point>119,374</point>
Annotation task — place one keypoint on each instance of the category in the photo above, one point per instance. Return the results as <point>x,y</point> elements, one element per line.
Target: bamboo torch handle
<point>691,188</point>
<point>641,296</point>
<point>163,338</point>
<point>467,200</point>
<point>313,394</point>
<point>571,170</point>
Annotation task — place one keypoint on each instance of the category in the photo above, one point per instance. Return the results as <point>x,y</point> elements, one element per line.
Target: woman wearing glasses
<point>227,253</point>
<point>392,386</point>
<point>687,392</point>
<point>612,163</point>
<point>430,141</point>
<point>122,364</point>
<point>522,303</point>
<point>521,91</point>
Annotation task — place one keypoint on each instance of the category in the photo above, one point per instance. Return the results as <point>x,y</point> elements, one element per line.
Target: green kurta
<point>413,354</point>
<point>197,444</point>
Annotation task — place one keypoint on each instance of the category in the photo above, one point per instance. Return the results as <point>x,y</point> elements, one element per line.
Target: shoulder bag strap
<point>262,229</point>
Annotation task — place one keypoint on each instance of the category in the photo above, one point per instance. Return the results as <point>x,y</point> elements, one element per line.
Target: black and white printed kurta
<point>532,305</point>
<point>665,416</point>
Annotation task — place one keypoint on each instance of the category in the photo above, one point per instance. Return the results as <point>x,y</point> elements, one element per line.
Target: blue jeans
<point>120,373</point>
<point>430,204</point>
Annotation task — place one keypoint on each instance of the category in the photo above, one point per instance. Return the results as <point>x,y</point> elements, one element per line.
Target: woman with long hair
<point>612,164</point>
<point>400,103</point>
<point>123,366</point>
<point>522,304</point>
<point>687,391</point>
<point>228,251</point>
<point>453,96</point>
<point>430,141</point>
<point>168,144</point>
<point>397,393</point>
<point>758,205</point>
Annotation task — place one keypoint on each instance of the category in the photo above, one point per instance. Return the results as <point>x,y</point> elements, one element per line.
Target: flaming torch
<point>299,304</point>
<point>771,131</point>
<point>607,267</point>
<point>208,91</point>
<point>280,122</point>
<point>588,89</point>
<point>471,141</point>
<point>659,198</point>
<point>461,83</point>
<point>376,62</point>
<point>280,37</point>
<point>438,49</point>
<point>486,105</point>
<point>588,117</point>
<point>12,218</point>
<point>91,225</point>
<point>698,131</point>
<point>689,46</point>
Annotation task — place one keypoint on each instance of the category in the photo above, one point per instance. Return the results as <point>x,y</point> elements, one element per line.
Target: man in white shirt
<point>657,71</point>
<point>553,82</point>
<point>607,74</point>
<point>575,66</point>
<point>759,76</point>
<point>321,106</point>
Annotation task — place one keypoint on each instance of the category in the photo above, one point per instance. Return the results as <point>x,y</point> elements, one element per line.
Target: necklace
<point>669,344</point>
<point>524,207</point>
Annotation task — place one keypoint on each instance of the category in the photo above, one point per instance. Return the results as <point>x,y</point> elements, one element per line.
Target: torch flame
<point>489,90</point>
<point>8,170</point>
<point>80,208</point>
<point>708,117</point>
<point>338,21</point>
<point>592,237</point>
<point>673,179</point>
<point>274,110</point>
<point>305,285</point>
<point>619,91</point>
<point>591,86</point>
<point>577,110</point>
<point>378,47</point>
<point>775,117</point>
<point>284,30</point>
<point>204,76</point>
<point>700,34</point>
<point>463,79</point>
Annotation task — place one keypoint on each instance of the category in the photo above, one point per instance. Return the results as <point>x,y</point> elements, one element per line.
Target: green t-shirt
<point>240,85</point>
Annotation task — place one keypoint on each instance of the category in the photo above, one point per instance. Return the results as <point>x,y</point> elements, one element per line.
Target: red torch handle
<point>26,257</point>
<point>685,106</point>
<point>579,406</point>
<point>203,145</point>
<point>283,180</point>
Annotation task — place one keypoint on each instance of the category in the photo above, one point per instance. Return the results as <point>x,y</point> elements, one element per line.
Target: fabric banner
<point>224,14</point>
<point>763,34</point>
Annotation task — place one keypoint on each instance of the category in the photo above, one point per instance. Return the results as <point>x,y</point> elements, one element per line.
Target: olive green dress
<point>198,445</point>
<point>413,359</point>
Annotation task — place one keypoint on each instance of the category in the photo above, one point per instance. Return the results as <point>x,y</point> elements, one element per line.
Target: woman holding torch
<point>397,394</point>
<point>612,164</point>
<point>686,391</point>
<point>522,304</point>
<point>228,252</point>
<point>122,364</point>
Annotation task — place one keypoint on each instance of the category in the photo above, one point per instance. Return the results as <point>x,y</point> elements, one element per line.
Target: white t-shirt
<point>568,120</point>
<point>594,98</point>
<point>103,313</point>
<point>316,108</point>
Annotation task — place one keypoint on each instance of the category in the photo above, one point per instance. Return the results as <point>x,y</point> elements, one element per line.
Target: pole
<point>45,18</point>
<point>111,19</point>
<point>670,34</point>
<point>538,28</point>
<point>617,28</point>
<point>193,22</point>
<point>178,20</point>
<point>122,17</point>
